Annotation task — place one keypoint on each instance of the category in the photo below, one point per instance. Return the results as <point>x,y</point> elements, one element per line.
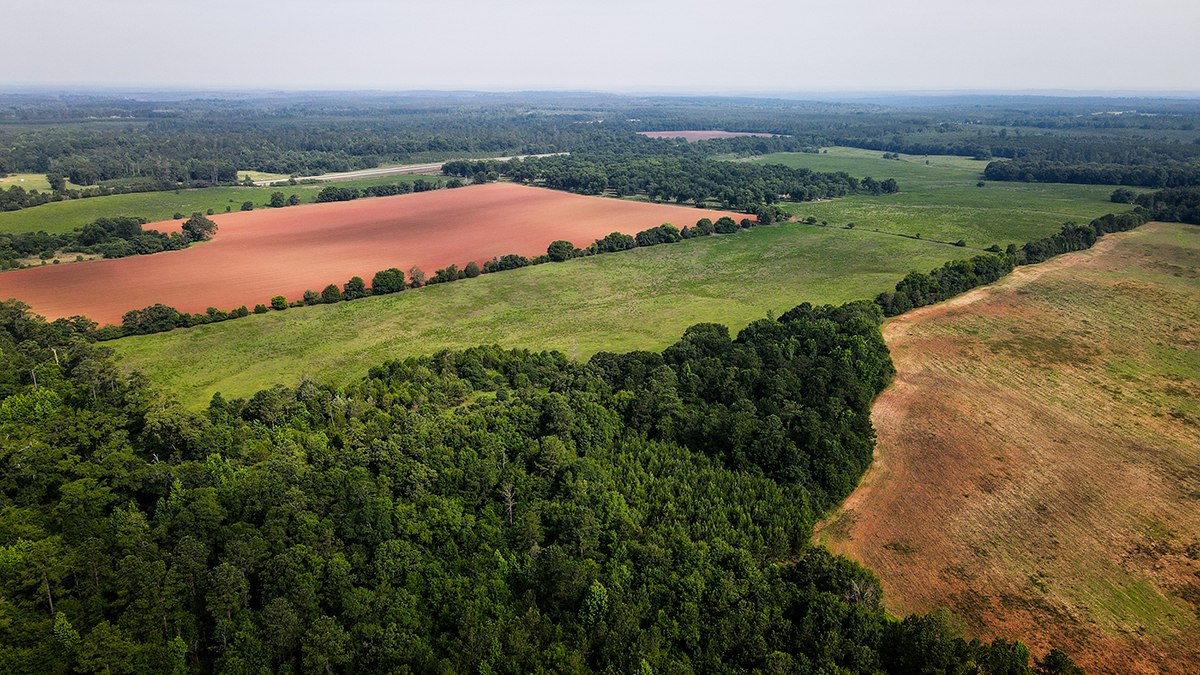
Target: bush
<point>311,297</point>
<point>262,309</point>
<point>1122,196</point>
<point>471,270</point>
<point>279,302</point>
<point>387,281</point>
<point>560,251</point>
<point>178,216</point>
<point>332,294</point>
<point>961,243</point>
<point>725,225</point>
<point>354,289</point>
<point>247,206</point>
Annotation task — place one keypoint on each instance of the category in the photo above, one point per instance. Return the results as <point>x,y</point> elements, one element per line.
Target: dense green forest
<point>127,144</point>
<point>478,511</point>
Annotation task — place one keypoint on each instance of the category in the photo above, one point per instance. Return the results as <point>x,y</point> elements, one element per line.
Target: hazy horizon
<point>768,47</point>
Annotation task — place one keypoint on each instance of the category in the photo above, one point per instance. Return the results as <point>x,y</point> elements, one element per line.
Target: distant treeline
<point>335,193</point>
<point>1163,175</point>
<point>733,185</point>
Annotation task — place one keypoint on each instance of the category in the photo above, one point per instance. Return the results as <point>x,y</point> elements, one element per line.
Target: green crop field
<point>640,299</point>
<point>941,201</point>
<point>30,181</point>
<point>65,216</point>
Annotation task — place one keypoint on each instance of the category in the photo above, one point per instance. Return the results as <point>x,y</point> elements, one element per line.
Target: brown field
<point>691,136</point>
<point>1038,465</point>
<point>259,254</point>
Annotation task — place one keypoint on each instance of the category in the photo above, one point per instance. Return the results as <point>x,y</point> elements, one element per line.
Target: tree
<point>560,251</point>
<point>294,200</point>
<point>331,294</point>
<point>724,225</point>
<point>247,206</point>
<point>1056,662</point>
<point>1122,196</point>
<point>471,270</point>
<point>704,227</point>
<point>387,281</point>
<point>312,297</point>
<point>198,228</point>
<point>262,309</point>
<point>277,200</point>
<point>416,277</point>
<point>354,289</point>
<point>279,303</point>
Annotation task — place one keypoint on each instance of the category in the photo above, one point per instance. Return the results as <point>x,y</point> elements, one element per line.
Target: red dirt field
<point>1038,461</point>
<point>691,136</point>
<point>262,253</point>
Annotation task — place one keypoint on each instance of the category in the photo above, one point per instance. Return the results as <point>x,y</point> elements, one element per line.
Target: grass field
<point>941,201</point>
<point>640,299</point>
<point>65,216</point>
<point>1038,466</point>
<point>30,181</point>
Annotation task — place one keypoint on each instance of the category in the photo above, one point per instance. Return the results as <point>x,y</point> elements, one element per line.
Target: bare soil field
<point>693,135</point>
<point>1038,460</point>
<point>262,253</point>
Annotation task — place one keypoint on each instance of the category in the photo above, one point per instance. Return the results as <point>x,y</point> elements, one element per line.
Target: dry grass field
<point>1038,466</point>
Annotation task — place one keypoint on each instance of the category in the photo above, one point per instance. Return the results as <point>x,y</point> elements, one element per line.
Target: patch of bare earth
<point>1038,460</point>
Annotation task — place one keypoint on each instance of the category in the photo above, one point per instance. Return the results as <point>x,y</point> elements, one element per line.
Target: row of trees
<point>1157,175</point>
<point>699,180</point>
<point>115,237</point>
<point>473,511</point>
<point>959,276</point>
<point>335,193</point>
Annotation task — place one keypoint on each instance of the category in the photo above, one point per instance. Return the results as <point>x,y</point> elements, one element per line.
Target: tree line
<point>115,237</point>
<point>1157,175</point>
<point>699,180</point>
<point>918,289</point>
<point>484,510</point>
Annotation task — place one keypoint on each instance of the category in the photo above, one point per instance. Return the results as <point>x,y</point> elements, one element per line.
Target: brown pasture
<point>693,135</point>
<point>1038,460</point>
<point>262,253</point>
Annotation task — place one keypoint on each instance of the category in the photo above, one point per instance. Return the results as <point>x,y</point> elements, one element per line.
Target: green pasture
<point>65,216</point>
<point>30,181</point>
<point>639,299</point>
<point>941,200</point>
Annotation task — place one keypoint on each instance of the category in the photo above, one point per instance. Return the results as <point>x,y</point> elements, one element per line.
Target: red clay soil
<point>1037,469</point>
<point>694,135</point>
<point>263,253</point>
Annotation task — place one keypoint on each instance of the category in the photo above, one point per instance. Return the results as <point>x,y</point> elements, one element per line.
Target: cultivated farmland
<point>1037,469</point>
<point>259,254</point>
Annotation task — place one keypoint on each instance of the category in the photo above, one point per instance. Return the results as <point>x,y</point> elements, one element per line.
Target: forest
<point>476,511</point>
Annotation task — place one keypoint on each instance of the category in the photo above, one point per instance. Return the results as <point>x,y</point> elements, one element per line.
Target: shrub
<point>247,206</point>
<point>387,281</point>
<point>331,294</point>
<point>311,297</point>
<point>262,309</point>
<point>560,251</point>
<point>178,216</point>
<point>354,289</point>
<point>471,270</point>
<point>725,225</point>
<point>961,242</point>
<point>279,302</point>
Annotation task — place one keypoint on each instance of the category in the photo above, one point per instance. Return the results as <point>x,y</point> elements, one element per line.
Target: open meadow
<point>1038,460</point>
<point>259,254</point>
<point>942,201</point>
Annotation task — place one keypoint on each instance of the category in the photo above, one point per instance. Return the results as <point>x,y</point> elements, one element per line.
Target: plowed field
<point>1038,461</point>
<point>259,254</point>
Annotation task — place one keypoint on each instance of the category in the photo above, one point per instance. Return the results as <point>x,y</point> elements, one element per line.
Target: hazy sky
<point>613,45</point>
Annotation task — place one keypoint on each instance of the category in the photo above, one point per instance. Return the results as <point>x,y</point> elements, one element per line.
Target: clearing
<point>262,253</point>
<point>1038,460</point>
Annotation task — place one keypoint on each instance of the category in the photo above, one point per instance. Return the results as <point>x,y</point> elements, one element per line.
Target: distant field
<point>261,175</point>
<point>941,200</point>
<point>266,252</point>
<point>1038,466</point>
<point>639,299</point>
<point>693,135</point>
<point>30,181</point>
<point>65,216</point>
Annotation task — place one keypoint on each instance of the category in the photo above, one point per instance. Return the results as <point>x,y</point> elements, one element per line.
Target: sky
<point>646,46</point>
